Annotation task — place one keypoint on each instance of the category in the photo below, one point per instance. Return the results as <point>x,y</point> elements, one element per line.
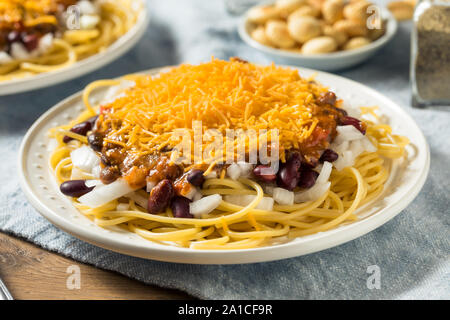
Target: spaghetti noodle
<point>340,163</point>
<point>38,36</point>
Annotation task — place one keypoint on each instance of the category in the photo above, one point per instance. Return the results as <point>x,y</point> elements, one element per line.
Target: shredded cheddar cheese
<point>30,12</point>
<point>222,95</point>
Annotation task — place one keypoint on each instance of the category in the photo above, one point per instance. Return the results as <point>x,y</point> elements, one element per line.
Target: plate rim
<point>117,49</point>
<point>320,242</point>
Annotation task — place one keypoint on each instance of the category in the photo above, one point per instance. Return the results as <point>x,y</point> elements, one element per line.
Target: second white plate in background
<point>113,52</point>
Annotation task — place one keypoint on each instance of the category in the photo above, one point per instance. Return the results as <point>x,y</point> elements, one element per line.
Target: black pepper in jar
<point>430,68</point>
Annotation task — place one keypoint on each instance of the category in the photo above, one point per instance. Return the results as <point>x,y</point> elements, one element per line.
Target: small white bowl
<point>327,61</point>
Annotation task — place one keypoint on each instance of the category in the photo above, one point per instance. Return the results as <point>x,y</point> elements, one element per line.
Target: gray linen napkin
<point>412,250</point>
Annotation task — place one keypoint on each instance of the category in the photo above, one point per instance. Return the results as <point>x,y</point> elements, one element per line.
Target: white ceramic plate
<point>42,191</point>
<point>114,51</point>
<point>328,61</point>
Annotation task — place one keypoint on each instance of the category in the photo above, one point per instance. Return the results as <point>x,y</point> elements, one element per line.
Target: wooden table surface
<point>30,272</point>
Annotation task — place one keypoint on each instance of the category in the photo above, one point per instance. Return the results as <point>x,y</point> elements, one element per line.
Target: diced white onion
<point>357,147</point>
<point>234,171</point>
<point>211,175</point>
<point>339,148</point>
<point>313,193</point>
<point>85,158</point>
<point>347,133</point>
<point>346,159</point>
<point>45,43</point>
<point>103,194</point>
<point>368,146</point>
<point>150,185</point>
<point>246,168</point>
<point>266,203</point>
<point>96,171</point>
<point>137,198</point>
<point>123,207</point>
<point>5,57</point>
<point>92,183</point>
<point>205,205</point>
<point>325,172</point>
<point>19,52</point>
<point>89,21</point>
<point>283,196</point>
<point>86,7</point>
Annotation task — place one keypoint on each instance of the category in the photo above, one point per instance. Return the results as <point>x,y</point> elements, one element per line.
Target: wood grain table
<point>30,272</point>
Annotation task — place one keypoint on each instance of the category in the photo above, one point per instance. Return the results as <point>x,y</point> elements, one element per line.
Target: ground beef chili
<point>151,169</point>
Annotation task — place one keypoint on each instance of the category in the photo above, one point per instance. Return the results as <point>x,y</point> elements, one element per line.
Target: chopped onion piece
<point>85,158</point>
<point>266,203</point>
<point>137,198</point>
<point>89,21</point>
<point>205,205</point>
<point>325,172</point>
<point>346,159</point>
<point>123,207</point>
<point>234,171</point>
<point>86,7</point>
<point>356,147</point>
<point>283,196</point>
<point>313,193</point>
<point>96,171</point>
<point>103,194</point>
<point>246,168</point>
<point>368,146</point>
<point>150,185</point>
<point>211,175</point>
<point>339,148</point>
<point>5,58</point>
<point>92,183</point>
<point>346,133</point>
<point>45,43</point>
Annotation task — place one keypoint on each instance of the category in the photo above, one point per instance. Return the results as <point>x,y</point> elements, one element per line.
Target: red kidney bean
<point>307,178</point>
<point>82,129</point>
<point>30,41</point>
<point>327,98</point>
<point>180,207</point>
<point>195,177</point>
<point>264,173</point>
<point>329,155</point>
<point>109,174</point>
<point>74,188</point>
<point>347,120</point>
<point>289,175</point>
<point>160,196</point>
<point>95,141</point>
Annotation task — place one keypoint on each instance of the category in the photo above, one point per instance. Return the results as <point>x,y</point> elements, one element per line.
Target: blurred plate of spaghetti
<point>43,43</point>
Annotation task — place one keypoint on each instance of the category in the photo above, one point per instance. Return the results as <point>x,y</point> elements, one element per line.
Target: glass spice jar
<point>430,53</point>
